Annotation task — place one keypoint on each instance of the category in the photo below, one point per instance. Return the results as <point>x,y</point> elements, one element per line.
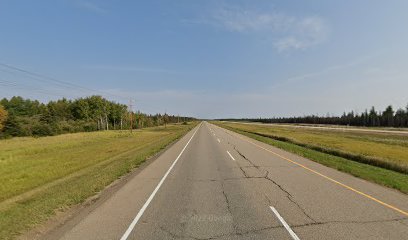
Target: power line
<point>17,86</point>
<point>131,115</point>
<point>45,78</point>
<point>61,84</point>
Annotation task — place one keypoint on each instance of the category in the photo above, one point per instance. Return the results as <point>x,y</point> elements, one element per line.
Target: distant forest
<point>368,118</point>
<point>25,117</point>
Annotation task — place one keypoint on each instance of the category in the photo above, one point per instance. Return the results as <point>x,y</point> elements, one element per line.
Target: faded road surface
<point>216,184</point>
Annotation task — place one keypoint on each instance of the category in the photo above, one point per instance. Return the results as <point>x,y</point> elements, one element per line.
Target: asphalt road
<point>216,184</point>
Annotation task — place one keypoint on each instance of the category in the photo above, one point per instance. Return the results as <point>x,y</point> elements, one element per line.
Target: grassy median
<point>380,158</point>
<point>40,176</point>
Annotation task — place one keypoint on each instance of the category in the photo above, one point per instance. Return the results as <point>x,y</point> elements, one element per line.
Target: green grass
<point>41,176</point>
<point>372,173</point>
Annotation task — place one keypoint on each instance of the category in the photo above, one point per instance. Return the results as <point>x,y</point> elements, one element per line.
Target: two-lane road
<point>216,184</point>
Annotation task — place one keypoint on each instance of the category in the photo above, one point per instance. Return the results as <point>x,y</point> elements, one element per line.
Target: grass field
<point>309,125</point>
<point>381,158</point>
<point>40,176</point>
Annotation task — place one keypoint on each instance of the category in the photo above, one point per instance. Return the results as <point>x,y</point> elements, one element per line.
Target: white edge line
<point>291,232</point>
<point>231,155</point>
<point>141,211</point>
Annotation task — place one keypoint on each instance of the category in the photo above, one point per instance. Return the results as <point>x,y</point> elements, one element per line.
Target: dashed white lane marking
<point>142,210</point>
<point>291,232</point>
<point>218,140</point>
<point>322,175</point>
<point>231,156</point>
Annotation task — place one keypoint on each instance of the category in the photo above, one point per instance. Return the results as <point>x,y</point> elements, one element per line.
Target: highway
<point>217,184</point>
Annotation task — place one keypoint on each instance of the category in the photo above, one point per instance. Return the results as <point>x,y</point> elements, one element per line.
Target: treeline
<point>368,118</point>
<point>25,117</point>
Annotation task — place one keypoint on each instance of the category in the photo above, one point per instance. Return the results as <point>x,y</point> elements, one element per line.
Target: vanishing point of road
<point>217,184</point>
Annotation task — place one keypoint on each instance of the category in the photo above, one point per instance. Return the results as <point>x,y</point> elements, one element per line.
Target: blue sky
<point>211,59</point>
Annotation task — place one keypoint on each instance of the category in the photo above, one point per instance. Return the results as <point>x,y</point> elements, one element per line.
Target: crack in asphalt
<point>288,195</point>
<point>176,236</point>
<point>241,178</point>
<point>244,157</point>
<point>346,222</point>
<point>202,180</point>
<point>243,172</point>
<point>291,198</point>
<point>228,206</point>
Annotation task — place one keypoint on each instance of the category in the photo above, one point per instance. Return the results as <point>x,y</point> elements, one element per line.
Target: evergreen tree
<point>388,117</point>
<point>372,118</point>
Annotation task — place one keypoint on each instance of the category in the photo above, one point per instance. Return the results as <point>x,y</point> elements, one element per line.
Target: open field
<point>378,157</point>
<point>328,127</point>
<point>42,175</point>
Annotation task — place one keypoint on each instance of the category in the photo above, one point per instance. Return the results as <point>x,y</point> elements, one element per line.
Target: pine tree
<point>388,116</point>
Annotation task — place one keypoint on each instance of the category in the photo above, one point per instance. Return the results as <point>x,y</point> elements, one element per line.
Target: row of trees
<point>368,118</point>
<point>25,117</point>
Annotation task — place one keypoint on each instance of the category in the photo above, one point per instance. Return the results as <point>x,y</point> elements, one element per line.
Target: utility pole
<point>131,115</point>
<point>139,120</point>
<point>107,122</point>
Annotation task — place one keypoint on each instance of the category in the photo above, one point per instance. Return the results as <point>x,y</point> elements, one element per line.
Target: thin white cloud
<point>290,43</point>
<point>128,69</point>
<point>90,6</point>
<point>326,70</point>
<point>287,32</point>
<point>305,33</point>
<point>240,20</point>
